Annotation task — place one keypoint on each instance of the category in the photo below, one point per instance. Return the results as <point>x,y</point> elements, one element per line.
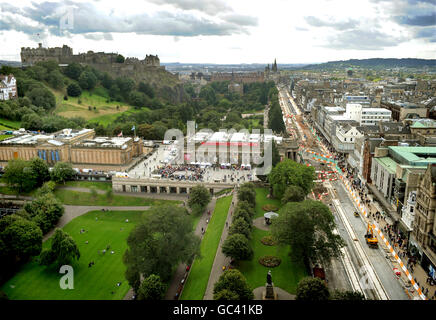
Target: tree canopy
<point>308,227</point>
<point>237,247</point>
<point>62,171</point>
<point>151,288</point>
<point>162,239</point>
<point>232,285</point>
<point>312,289</point>
<point>293,194</point>
<point>289,172</point>
<point>63,250</point>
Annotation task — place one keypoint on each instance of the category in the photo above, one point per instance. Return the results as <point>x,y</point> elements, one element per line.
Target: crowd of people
<point>181,172</point>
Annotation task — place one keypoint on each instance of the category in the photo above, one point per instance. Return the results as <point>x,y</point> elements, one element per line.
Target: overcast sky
<point>224,31</point>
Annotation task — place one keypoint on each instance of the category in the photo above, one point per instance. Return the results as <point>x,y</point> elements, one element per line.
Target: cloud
<point>362,40</point>
<point>339,25</point>
<point>211,7</point>
<point>427,33</point>
<point>87,19</point>
<point>241,20</point>
<point>425,20</point>
<point>98,36</point>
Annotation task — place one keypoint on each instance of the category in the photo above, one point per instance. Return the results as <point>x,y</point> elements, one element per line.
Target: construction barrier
<point>375,227</point>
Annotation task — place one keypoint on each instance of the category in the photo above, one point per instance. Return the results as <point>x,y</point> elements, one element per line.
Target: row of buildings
<point>386,134</point>
<point>8,87</point>
<point>81,148</point>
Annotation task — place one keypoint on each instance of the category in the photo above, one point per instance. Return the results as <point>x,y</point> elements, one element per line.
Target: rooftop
<point>414,156</point>
<point>387,163</point>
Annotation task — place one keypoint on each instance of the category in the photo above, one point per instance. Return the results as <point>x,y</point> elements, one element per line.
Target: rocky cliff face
<point>166,84</point>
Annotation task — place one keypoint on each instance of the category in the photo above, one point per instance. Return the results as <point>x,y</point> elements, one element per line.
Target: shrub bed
<point>270,207</point>
<point>268,241</point>
<point>270,261</point>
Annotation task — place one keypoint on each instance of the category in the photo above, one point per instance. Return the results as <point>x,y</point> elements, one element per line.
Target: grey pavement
<point>281,294</point>
<point>220,259</point>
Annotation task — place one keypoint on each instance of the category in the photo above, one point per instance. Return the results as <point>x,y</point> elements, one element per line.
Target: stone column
<point>178,190</point>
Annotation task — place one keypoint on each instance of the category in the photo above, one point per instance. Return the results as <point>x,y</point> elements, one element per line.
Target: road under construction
<point>366,268</point>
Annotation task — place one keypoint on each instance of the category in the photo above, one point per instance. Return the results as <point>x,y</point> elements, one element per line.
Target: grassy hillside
<point>96,98</point>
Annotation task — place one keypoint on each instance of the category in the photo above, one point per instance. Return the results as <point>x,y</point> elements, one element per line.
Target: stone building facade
<point>424,227</point>
<point>79,147</point>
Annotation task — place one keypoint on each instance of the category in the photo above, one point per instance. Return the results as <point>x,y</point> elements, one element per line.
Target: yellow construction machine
<point>371,239</point>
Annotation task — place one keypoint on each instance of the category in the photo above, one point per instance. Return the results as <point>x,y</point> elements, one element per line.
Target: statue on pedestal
<point>269,293</point>
<point>269,278</point>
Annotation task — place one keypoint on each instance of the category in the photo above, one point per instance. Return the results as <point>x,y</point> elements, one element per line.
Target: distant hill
<point>375,63</point>
<point>10,63</point>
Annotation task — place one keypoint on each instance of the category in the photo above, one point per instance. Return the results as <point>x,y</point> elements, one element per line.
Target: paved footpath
<point>220,259</point>
<point>181,273</point>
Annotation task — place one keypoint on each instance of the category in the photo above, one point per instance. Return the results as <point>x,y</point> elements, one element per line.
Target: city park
<point>204,242</point>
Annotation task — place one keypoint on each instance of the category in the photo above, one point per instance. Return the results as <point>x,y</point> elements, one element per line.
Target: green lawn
<point>262,200</point>
<point>86,199</point>
<point>96,283</point>
<point>4,136</point>
<point>9,124</point>
<point>88,184</point>
<point>196,283</point>
<point>287,274</point>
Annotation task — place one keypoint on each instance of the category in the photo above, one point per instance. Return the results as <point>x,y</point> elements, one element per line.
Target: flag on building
<point>120,134</point>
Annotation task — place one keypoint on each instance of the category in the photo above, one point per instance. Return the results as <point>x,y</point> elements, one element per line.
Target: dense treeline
<point>214,107</point>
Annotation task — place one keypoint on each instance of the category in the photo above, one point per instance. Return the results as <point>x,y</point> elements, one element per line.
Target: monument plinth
<point>269,293</point>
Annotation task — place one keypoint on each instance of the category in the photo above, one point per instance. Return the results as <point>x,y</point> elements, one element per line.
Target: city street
<point>368,270</point>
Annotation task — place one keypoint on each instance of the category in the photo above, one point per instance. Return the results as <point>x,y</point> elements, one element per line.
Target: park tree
<point>243,214</point>
<point>308,227</point>
<point>237,247</point>
<point>275,119</point>
<point>20,239</point>
<point>87,80</point>
<point>226,294</point>
<point>55,79</point>
<point>19,176</point>
<point>161,240</point>
<point>246,206</point>
<point>137,99</point>
<point>347,295</point>
<point>74,90</point>
<point>312,289</point>
<point>235,284</point>
<point>208,94</point>
<point>199,197</point>
<point>42,97</point>
<point>45,211</point>
<point>151,288</point>
<point>247,193</point>
<point>62,171</point>
<point>240,226</point>
<point>293,194</point>
<point>289,172</point>
<point>40,169</point>
<point>63,250</point>
<point>73,70</point>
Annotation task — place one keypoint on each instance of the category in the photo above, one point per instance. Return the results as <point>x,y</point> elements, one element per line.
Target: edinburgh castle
<point>105,62</point>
